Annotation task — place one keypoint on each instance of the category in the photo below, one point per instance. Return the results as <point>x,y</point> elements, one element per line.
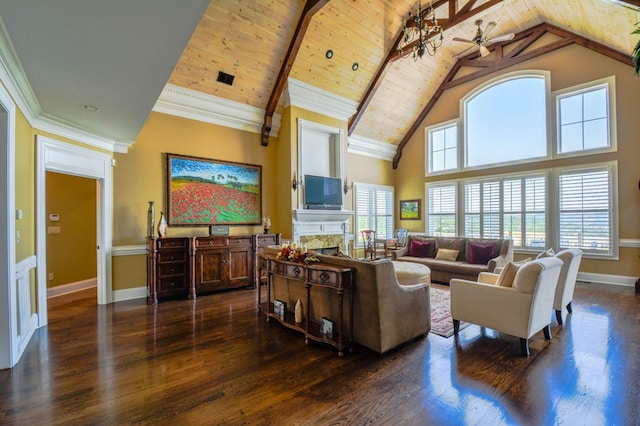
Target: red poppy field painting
<point>212,192</point>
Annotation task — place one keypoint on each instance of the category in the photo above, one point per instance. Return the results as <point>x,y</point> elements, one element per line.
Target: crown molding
<point>15,80</point>
<point>200,106</point>
<point>304,95</point>
<point>371,148</point>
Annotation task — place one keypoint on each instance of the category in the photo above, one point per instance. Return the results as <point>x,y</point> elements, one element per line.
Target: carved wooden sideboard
<point>191,266</point>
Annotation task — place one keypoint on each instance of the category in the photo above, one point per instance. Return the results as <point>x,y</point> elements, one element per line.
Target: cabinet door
<point>240,267</point>
<point>211,268</point>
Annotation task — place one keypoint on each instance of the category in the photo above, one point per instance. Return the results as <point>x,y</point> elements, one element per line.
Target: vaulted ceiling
<point>261,42</point>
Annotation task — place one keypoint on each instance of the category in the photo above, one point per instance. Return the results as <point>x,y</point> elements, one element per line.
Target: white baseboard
<point>129,294</point>
<point>607,279</point>
<point>71,287</point>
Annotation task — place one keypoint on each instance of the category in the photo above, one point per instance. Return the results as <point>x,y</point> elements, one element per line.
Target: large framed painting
<point>410,209</point>
<point>202,191</point>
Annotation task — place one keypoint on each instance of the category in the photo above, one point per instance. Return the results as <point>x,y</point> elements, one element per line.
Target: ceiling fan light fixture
<point>484,51</point>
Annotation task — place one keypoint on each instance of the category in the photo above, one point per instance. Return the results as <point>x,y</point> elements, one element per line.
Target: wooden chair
<point>369,243</point>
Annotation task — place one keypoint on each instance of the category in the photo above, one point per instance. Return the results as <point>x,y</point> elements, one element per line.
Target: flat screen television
<point>321,192</point>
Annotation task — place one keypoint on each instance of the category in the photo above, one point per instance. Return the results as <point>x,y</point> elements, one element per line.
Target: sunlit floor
<point>216,361</point>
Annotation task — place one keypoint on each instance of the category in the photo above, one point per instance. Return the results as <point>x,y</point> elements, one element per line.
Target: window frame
<point>552,201</point>
<point>558,95</point>
<point>357,187</point>
<point>428,153</point>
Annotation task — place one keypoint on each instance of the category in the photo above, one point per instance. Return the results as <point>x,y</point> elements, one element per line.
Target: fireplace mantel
<point>310,215</point>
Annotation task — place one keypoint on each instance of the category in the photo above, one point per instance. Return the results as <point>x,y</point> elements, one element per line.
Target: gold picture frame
<point>410,209</point>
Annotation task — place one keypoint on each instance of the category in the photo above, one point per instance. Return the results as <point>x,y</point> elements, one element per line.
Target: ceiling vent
<point>225,78</point>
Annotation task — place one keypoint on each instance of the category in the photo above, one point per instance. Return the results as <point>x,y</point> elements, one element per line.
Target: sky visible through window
<point>507,122</point>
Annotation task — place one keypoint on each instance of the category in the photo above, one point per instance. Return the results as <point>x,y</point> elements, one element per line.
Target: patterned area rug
<point>441,322</point>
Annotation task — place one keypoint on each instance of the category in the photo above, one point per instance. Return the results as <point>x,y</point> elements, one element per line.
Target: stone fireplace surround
<point>322,228</point>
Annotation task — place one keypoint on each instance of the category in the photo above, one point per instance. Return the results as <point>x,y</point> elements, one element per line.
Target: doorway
<point>60,157</point>
<point>71,233</point>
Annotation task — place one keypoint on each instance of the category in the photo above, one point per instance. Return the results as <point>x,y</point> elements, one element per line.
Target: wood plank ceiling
<point>250,40</point>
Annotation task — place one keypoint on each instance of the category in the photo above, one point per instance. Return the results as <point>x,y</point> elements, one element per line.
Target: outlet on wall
<point>50,276</point>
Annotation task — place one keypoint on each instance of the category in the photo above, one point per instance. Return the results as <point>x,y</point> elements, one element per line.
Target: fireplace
<point>322,229</point>
<point>327,250</point>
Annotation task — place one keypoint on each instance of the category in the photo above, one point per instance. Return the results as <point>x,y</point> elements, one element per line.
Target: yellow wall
<point>71,254</point>
<point>25,188</point>
<point>569,67</point>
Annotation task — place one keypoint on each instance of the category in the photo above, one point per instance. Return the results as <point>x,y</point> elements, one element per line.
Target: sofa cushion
<point>430,240</point>
<point>459,244</point>
<point>447,254</point>
<point>480,252</point>
<point>419,248</point>
<point>507,275</point>
<point>546,253</point>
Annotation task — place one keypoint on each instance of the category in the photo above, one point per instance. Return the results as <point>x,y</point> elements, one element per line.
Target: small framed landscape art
<point>203,191</point>
<point>409,209</point>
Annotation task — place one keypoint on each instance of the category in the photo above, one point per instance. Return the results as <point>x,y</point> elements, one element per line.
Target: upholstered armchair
<point>520,308</point>
<point>567,281</point>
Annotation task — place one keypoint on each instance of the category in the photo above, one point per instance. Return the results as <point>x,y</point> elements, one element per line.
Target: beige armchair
<point>521,310</point>
<point>567,281</point>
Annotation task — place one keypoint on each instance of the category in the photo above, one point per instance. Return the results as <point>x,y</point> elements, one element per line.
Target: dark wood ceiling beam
<point>633,3</point>
<point>454,18</point>
<point>310,9</point>
<point>500,62</point>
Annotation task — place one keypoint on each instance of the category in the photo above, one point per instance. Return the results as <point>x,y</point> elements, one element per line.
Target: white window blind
<point>510,207</point>
<point>585,210</point>
<point>441,205</point>
<point>374,210</point>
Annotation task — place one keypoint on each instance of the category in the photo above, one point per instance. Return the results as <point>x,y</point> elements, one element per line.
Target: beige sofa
<point>385,313</point>
<point>462,267</point>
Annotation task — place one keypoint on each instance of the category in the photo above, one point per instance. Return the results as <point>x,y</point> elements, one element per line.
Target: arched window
<point>506,121</point>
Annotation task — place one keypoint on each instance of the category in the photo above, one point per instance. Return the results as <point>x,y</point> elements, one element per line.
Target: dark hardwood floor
<point>217,361</point>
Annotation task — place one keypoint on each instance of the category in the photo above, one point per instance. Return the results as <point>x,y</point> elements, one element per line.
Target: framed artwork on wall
<point>409,209</point>
<point>202,191</point>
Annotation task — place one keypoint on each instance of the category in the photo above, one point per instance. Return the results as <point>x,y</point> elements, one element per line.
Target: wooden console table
<point>314,275</point>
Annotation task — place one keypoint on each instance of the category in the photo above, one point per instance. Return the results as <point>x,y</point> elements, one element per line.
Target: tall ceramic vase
<point>151,219</point>
<point>162,226</point>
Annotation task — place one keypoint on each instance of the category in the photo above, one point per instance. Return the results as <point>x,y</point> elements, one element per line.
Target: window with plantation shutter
<point>374,210</point>
<point>585,210</point>
<point>441,206</point>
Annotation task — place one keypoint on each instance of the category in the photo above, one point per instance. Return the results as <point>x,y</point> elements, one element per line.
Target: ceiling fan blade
<point>464,40</point>
<point>490,26</point>
<point>504,37</point>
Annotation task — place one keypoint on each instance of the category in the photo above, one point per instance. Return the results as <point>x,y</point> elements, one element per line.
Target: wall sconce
<point>347,186</point>
<point>295,183</point>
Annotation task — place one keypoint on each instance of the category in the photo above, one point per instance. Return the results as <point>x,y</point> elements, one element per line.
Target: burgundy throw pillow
<point>481,253</point>
<point>419,248</point>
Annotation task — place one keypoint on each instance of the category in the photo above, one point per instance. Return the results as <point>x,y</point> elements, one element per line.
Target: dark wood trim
<point>454,18</point>
<point>501,61</point>
<point>310,9</point>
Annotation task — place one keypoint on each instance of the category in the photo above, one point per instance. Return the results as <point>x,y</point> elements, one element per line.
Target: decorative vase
<point>266,224</point>
<point>151,219</point>
<point>162,226</point>
<point>298,311</point>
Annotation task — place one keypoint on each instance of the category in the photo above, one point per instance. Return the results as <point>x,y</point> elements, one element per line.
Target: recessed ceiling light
<point>329,54</point>
<point>91,108</point>
<point>355,66</point>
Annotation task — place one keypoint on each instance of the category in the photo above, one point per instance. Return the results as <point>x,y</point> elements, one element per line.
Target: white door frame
<point>9,348</point>
<point>60,157</point>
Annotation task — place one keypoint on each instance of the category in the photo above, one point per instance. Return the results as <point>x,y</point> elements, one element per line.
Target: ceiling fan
<point>480,39</point>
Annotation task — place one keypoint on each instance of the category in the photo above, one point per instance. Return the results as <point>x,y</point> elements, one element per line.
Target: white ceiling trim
<point>304,95</point>
<point>371,148</point>
<point>17,84</point>
<point>187,103</point>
